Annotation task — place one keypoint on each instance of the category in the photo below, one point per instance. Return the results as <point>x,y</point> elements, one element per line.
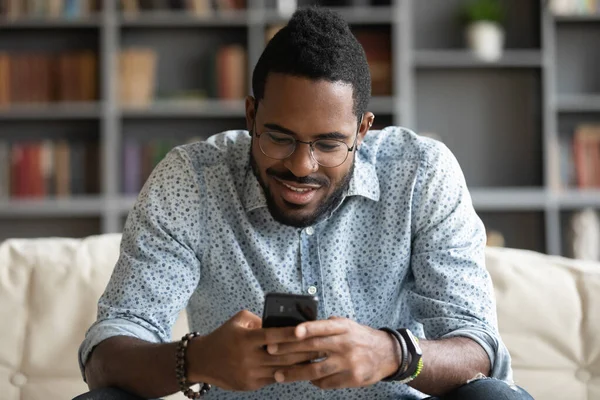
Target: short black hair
<point>317,44</point>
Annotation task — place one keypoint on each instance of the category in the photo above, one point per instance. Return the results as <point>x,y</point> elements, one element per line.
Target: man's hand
<point>233,357</point>
<point>357,355</point>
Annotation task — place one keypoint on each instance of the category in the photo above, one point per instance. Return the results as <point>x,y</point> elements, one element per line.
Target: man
<point>379,226</point>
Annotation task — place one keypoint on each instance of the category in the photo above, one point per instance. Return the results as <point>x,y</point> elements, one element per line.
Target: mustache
<point>306,180</point>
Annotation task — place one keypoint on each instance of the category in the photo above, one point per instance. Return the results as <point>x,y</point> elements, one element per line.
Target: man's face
<point>299,191</point>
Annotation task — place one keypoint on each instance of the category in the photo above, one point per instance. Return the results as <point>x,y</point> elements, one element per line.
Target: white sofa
<point>548,310</point>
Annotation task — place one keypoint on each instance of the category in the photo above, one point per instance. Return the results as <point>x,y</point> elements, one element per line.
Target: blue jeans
<point>486,389</point>
<point>482,389</point>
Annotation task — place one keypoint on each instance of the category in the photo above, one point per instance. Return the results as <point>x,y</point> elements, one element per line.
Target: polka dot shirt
<point>404,249</point>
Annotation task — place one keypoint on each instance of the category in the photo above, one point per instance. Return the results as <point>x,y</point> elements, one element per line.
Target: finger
<point>266,336</point>
<point>327,344</point>
<point>307,372</point>
<point>325,327</point>
<point>335,381</point>
<point>287,360</point>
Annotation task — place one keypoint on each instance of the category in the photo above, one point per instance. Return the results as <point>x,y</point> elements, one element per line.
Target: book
<point>87,73</point>
<point>5,162</point>
<point>4,80</point>
<point>65,71</point>
<point>63,169</point>
<point>55,8</point>
<point>47,166</point>
<point>574,7</point>
<point>77,167</point>
<point>35,179</point>
<point>586,151</point>
<point>131,167</point>
<point>567,162</point>
<point>137,75</point>
<point>93,166</point>
<point>199,8</point>
<point>130,7</point>
<point>231,72</point>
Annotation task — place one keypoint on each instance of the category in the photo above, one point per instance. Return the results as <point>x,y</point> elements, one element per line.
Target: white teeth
<point>295,189</point>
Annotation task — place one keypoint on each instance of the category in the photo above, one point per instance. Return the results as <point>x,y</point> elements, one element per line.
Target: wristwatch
<point>416,356</point>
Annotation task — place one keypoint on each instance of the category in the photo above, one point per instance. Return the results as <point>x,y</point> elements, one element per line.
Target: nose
<point>301,162</point>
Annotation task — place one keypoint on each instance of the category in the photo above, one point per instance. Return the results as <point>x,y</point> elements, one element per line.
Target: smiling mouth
<point>298,189</point>
<point>297,195</point>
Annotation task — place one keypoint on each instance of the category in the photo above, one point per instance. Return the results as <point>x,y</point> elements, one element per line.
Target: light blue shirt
<point>404,249</point>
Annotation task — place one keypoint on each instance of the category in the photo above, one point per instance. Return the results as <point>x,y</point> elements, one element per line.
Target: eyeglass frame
<point>310,144</point>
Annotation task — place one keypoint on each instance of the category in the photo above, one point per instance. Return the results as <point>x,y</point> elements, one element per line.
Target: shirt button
<point>310,230</point>
<point>312,290</point>
<point>18,379</point>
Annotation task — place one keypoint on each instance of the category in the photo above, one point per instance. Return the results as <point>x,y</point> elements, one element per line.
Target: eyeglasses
<point>329,153</point>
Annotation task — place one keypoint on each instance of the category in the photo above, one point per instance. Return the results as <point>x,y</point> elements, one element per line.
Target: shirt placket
<point>311,269</point>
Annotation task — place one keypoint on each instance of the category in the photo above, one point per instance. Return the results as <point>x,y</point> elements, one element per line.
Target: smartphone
<point>284,309</point>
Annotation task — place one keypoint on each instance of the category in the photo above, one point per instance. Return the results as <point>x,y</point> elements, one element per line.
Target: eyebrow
<point>327,135</point>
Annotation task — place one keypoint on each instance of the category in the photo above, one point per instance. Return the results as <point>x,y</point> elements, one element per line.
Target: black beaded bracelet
<point>181,371</point>
<point>403,360</point>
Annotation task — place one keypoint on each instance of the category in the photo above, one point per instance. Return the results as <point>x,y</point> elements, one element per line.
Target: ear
<point>366,124</point>
<point>250,112</point>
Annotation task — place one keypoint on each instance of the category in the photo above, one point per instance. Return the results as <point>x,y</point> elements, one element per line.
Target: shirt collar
<point>364,183</point>
<point>254,196</point>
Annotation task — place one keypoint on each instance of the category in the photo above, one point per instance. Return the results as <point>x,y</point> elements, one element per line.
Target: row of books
<point>575,7</point>
<point>586,152</point>
<point>48,168</point>
<point>225,72</point>
<point>139,159</point>
<point>14,9</point>
<point>196,7</point>
<point>580,157</point>
<point>42,77</point>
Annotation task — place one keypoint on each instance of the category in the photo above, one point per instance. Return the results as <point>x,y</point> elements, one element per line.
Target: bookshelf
<point>514,112</point>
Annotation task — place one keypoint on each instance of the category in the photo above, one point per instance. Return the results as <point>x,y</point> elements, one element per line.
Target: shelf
<point>173,19</point>
<point>574,199</point>
<point>503,199</point>
<point>67,207</point>
<point>125,204</point>
<point>187,109</point>
<point>222,108</point>
<point>578,103</point>
<point>50,23</point>
<point>464,59</point>
<point>353,15</point>
<point>577,18</point>
<point>53,111</point>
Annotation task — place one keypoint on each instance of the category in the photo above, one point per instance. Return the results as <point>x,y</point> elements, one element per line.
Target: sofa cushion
<point>549,318</point>
<point>49,290</point>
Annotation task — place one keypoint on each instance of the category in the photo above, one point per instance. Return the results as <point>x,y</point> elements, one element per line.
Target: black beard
<point>326,206</point>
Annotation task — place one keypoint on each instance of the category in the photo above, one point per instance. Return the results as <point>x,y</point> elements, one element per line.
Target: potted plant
<point>484,28</point>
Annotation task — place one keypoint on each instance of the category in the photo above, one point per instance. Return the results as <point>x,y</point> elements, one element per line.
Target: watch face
<point>413,339</point>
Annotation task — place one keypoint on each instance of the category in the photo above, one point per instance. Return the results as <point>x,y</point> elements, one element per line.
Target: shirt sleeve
<point>452,294</point>
<point>158,267</point>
